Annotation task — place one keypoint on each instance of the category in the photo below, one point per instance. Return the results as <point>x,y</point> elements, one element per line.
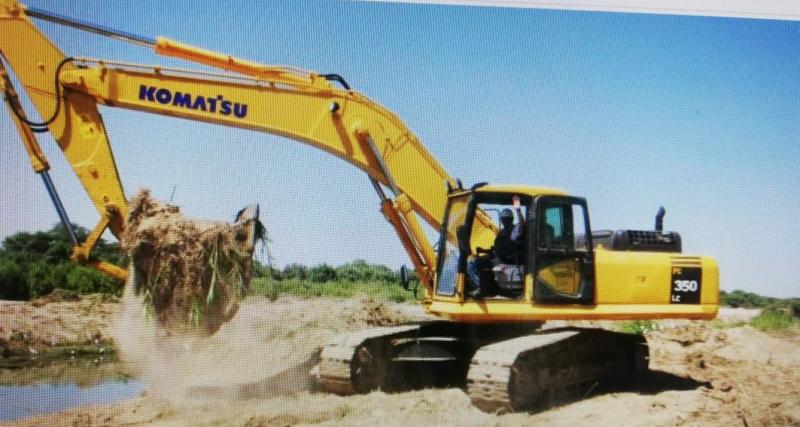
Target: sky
<point>700,115</point>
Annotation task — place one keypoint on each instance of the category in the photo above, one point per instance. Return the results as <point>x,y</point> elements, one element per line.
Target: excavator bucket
<point>192,273</point>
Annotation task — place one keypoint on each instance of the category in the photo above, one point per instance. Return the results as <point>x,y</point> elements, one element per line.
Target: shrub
<point>84,280</point>
<point>295,271</point>
<point>322,273</point>
<point>42,278</point>
<point>361,271</point>
<point>12,281</point>
<point>739,298</point>
<point>795,309</point>
<point>773,318</point>
<point>338,289</point>
<point>33,264</point>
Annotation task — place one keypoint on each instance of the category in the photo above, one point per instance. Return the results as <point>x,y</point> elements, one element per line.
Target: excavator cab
<point>564,270</point>
<point>551,261</point>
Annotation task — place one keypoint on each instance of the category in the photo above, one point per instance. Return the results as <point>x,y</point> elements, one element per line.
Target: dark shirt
<point>506,245</point>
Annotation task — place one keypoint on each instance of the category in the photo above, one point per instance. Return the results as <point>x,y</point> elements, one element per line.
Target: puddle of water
<point>24,401</point>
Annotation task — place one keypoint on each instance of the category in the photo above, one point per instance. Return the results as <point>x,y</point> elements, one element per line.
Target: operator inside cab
<point>502,267</point>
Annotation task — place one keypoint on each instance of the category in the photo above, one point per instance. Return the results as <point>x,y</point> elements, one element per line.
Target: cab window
<point>562,227</point>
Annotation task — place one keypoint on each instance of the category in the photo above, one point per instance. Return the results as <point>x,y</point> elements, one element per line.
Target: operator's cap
<point>506,213</point>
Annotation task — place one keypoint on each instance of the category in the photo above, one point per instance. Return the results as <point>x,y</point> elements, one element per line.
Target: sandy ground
<point>254,372</point>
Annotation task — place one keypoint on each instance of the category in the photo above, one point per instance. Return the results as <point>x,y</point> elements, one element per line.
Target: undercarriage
<point>502,367</point>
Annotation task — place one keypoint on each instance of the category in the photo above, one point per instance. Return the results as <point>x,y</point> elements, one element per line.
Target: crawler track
<point>502,367</point>
<point>540,369</point>
<point>358,362</point>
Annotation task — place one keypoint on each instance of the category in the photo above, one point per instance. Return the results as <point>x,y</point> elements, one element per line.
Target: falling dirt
<point>191,273</point>
<point>254,372</point>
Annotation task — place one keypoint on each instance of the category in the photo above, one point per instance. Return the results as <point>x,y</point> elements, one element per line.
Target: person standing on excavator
<point>506,248</point>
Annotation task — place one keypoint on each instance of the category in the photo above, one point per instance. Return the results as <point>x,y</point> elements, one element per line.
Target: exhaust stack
<point>660,219</point>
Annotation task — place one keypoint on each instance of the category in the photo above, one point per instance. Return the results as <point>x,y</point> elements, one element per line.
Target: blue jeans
<point>473,273</point>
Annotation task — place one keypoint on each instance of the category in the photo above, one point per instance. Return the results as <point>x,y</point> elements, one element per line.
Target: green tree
<point>86,280</point>
<point>12,280</point>
<point>361,271</point>
<point>295,271</point>
<point>50,246</point>
<point>322,273</point>
<point>36,263</point>
<point>43,277</point>
<point>739,298</point>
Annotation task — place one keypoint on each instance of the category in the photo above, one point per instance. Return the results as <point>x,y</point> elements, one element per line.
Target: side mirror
<point>404,277</point>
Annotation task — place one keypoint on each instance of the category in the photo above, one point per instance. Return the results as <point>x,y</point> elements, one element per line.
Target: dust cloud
<point>250,357</point>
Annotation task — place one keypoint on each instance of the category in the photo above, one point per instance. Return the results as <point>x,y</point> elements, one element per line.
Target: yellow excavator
<point>491,340</point>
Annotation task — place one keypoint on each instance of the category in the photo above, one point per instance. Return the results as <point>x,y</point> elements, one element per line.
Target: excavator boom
<point>303,106</point>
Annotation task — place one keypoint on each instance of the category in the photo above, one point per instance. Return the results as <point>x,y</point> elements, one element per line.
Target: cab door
<point>562,247</point>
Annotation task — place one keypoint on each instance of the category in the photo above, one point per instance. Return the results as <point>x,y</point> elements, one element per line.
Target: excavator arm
<point>71,117</point>
<point>304,106</point>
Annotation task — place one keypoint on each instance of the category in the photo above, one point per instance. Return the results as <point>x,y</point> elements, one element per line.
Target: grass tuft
<point>270,288</point>
<point>721,324</point>
<point>636,327</point>
<point>774,318</point>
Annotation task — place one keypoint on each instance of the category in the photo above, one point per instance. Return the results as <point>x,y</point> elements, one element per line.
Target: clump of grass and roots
<point>192,273</point>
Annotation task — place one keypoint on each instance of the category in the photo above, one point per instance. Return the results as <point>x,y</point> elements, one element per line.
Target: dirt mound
<point>33,328</point>
<point>57,295</point>
<point>191,273</point>
<point>376,313</point>
<point>744,374</point>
